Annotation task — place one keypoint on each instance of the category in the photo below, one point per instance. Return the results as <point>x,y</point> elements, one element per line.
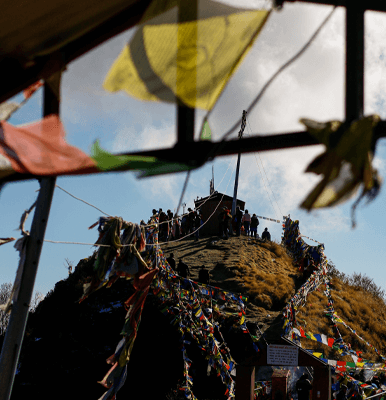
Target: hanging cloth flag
<point>148,165</point>
<point>191,60</point>
<point>7,109</point>
<point>39,149</point>
<point>346,163</point>
<point>206,133</point>
<point>6,240</point>
<point>32,89</point>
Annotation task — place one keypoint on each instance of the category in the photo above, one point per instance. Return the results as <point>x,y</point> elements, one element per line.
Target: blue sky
<point>272,184</point>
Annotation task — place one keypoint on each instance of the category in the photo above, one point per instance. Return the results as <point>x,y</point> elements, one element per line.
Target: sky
<point>272,184</point>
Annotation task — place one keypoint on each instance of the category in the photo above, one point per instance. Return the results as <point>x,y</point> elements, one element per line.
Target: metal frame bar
<point>354,61</point>
<point>372,5</point>
<point>20,309</point>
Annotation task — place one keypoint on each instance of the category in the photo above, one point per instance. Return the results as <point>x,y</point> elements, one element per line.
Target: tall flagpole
<point>243,121</point>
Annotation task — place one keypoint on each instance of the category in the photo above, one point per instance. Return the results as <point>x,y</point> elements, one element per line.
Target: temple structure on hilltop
<point>210,207</point>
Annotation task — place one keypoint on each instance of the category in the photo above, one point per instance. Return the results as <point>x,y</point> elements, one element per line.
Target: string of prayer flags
<point>362,389</point>
<point>187,53</point>
<point>109,232</point>
<point>40,149</point>
<point>336,318</point>
<point>119,257</point>
<point>321,338</point>
<point>195,309</point>
<point>269,219</point>
<point>345,165</point>
<point>315,257</point>
<point>6,240</point>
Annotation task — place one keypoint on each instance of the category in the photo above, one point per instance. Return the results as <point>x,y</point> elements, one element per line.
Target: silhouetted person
<point>171,260</point>
<point>342,394</point>
<point>238,218</point>
<point>254,225</point>
<point>224,219</point>
<point>203,275</point>
<point>303,386</point>
<point>182,269</point>
<point>246,220</point>
<point>266,235</point>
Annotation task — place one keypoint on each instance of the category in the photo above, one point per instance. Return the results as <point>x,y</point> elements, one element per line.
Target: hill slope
<point>67,343</point>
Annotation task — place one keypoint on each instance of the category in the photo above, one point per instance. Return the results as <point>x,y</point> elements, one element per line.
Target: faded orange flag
<point>40,148</point>
<point>32,89</point>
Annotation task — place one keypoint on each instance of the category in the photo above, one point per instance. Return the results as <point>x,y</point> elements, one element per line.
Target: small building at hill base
<point>283,356</point>
<point>210,207</point>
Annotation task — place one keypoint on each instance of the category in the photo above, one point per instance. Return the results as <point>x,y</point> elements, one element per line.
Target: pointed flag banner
<point>7,109</point>
<point>345,165</point>
<point>39,149</point>
<point>6,240</point>
<point>32,89</point>
<point>189,61</point>
<point>206,133</point>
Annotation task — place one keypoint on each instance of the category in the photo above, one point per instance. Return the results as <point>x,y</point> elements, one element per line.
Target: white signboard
<point>278,354</point>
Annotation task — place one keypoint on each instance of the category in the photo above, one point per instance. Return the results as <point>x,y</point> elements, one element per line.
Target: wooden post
<point>321,385</point>
<point>245,382</point>
<point>18,320</point>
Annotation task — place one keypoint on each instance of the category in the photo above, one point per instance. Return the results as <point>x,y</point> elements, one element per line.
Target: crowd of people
<point>183,270</point>
<point>240,221</point>
<point>173,227</point>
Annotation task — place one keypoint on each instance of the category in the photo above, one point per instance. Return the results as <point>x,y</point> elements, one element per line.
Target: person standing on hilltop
<point>182,269</point>
<point>227,221</point>
<point>170,223</point>
<point>197,225</point>
<point>254,225</point>
<point>176,228</point>
<point>246,220</point>
<point>303,387</point>
<point>266,235</point>
<point>203,275</point>
<point>238,218</point>
<point>163,227</point>
<point>171,260</point>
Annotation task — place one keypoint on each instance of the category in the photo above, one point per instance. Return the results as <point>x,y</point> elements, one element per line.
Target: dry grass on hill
<point>360,310</point>
<point>267,276</point>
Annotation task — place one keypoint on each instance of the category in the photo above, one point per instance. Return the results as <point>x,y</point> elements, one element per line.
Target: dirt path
<point>222,257</point>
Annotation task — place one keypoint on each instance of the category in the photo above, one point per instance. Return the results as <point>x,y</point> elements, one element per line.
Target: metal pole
<point>187,11</point>
<point>354,61</point>
<point>238,166</point>
<point>18,320</point>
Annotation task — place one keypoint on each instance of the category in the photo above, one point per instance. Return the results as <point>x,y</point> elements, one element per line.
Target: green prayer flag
<point>149,165</point>
<point>108,162</point>
<point>206,133</point>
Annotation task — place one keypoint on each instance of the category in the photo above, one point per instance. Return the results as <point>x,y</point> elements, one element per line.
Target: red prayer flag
<point>32,89</point>
<point>40,149</point>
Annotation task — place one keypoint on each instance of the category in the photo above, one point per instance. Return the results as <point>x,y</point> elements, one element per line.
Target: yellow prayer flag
<point>191,61</point>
